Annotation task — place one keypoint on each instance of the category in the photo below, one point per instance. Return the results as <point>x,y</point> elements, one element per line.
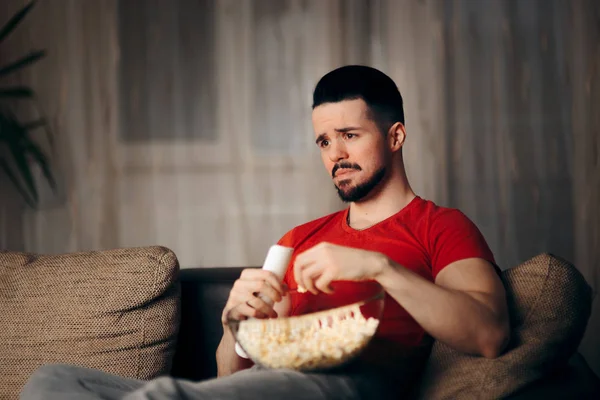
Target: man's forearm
<point>228,361</point>
<point>461,320</point>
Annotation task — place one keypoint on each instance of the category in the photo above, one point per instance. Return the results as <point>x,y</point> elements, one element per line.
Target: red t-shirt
<point>422,237</point>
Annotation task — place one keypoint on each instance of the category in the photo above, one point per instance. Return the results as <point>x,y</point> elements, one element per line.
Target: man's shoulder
<point>429,218</point>
<point>307,228</point>
<point>437,213</point>
<point>439,220</point>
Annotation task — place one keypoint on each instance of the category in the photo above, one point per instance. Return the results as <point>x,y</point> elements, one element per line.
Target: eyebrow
<point>322,136</point>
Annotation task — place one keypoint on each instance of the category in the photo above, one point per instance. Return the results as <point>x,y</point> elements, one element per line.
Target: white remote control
<point>277,262</point>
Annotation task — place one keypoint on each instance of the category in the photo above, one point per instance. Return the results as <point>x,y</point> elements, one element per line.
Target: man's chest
<point>400,245</point>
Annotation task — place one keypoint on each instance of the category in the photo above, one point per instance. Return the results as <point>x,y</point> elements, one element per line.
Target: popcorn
<point>302,289</point>
<point>318,340</point>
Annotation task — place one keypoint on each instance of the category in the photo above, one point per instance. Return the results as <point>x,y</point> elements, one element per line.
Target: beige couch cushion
<point>549,303</point>
<point>115,310</point>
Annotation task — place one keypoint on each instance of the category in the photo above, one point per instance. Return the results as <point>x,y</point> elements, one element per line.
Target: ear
<point>396,136</point>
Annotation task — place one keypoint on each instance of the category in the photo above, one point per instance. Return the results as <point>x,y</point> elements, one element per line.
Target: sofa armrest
<point>574,381</point>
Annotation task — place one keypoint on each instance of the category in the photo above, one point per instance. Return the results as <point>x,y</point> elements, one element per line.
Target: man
<point>436,268</point>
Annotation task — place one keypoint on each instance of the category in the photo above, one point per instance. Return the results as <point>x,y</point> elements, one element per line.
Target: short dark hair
<point>375,88</point>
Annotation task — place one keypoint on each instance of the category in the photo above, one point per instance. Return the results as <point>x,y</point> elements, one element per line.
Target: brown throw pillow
<point>549,303</point>
<point>115,310</point>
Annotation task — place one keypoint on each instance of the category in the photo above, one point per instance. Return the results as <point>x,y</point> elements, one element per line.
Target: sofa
<point>135,313</point>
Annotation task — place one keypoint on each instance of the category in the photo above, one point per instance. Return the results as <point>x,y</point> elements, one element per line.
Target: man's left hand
<point>318,266</point>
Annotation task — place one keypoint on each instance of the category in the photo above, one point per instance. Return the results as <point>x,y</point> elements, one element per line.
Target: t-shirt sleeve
<point>453,237</point>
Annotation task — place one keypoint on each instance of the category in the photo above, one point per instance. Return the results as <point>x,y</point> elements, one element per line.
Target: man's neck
<point>392,197</point>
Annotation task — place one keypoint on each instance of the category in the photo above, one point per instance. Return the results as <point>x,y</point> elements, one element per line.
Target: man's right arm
<point>228,361</point>
<point>251,281</point>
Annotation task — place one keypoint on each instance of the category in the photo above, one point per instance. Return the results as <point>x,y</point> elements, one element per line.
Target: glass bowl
<point>331,330</point>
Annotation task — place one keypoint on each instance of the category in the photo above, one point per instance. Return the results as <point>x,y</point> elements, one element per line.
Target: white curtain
<point>187,123</point>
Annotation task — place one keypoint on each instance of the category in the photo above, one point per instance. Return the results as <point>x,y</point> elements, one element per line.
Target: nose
<point>337,151</point>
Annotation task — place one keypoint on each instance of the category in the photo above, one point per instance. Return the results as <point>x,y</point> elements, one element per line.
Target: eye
<point>324,143</point>
<point>350,135</point>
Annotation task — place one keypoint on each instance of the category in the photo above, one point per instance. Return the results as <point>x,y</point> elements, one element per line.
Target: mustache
<point>344,165</point>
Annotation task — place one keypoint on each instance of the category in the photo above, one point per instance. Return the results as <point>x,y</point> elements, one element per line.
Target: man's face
<point>352,148</point>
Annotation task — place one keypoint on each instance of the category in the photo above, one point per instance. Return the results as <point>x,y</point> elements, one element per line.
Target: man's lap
<point>56,381</point>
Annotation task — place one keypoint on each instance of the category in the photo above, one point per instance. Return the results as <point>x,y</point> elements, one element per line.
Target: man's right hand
<point>244,298</point>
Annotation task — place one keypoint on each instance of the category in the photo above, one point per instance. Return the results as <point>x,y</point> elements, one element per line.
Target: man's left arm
<point>465,307</point>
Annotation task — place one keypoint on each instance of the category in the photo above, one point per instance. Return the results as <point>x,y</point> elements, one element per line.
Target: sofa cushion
<point>114,310</point>
<point>549,304</point>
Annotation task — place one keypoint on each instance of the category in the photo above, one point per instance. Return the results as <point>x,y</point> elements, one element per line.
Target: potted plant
<point>18,150</point>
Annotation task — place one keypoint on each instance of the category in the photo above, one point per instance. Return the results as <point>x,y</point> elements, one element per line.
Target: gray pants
<point>70,382</point>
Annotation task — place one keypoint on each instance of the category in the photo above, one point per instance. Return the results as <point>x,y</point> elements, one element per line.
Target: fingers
<point>244,311</point>
<point>310,264</point>
<point>258,275</point>
<point>259,282</point>
<point>301,263</point>
<point>264,289</point>
<point>316,279</point>
<point>323,281</point>
<point>251,294</point>
<point>254,308</point>
<point>308,275</point>
<point>262,307</point>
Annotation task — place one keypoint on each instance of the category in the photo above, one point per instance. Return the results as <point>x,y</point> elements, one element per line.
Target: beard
<point>360,191</point>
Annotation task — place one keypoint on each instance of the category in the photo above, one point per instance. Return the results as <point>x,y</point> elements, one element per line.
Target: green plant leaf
<point>41,123</point>
<point>42,160</point>
<point>23,168</point>
<point>14,135</point>
<point>18,130</point>
<point>17,141</point>
<point>22,62</point>
<point>16,91</point>
<point>16,182</point>
<point>38,123</point>
<point>15,20</point>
